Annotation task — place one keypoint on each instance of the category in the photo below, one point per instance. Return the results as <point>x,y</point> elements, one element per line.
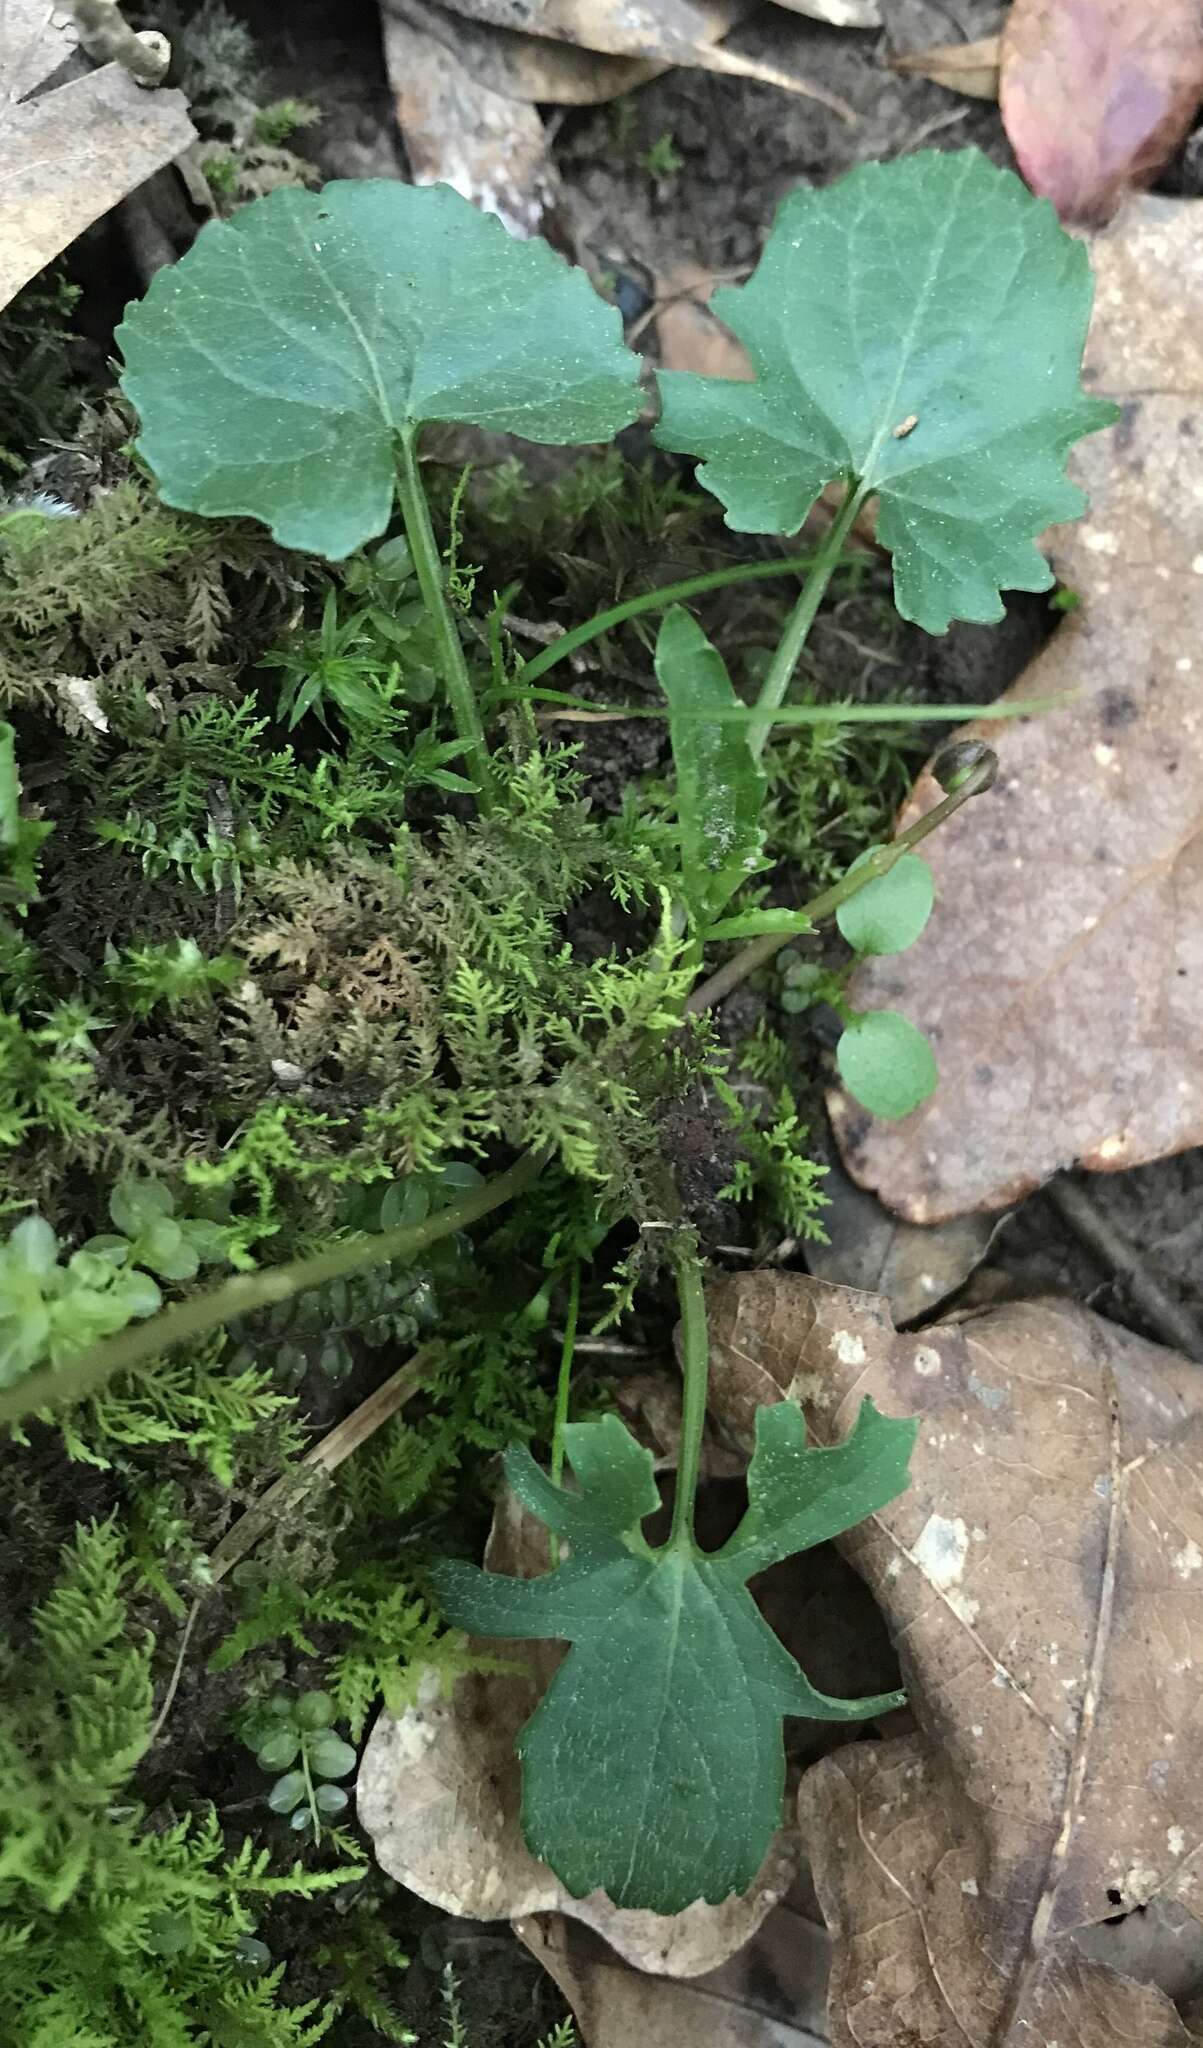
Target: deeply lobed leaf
<point>654,1767</point>
<point>274,365</point>
<point>916,330</point>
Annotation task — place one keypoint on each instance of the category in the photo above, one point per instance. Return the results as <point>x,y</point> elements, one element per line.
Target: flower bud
<point>954,765</point>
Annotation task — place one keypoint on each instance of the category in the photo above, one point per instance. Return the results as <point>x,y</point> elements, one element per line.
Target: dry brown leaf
<point>773,1994</point>
<point>1097,94</point>
<point>1042,1580</point>
<point>970,68</point>
<point>690,337</point>
<point>1059,978</point>
<point>35,38</point>
<point>655,32</point>
<point>521,67</point>
<point>74,152</point>
<point>913,1266</point>
<point>839,13</point>
<point>491,147</point>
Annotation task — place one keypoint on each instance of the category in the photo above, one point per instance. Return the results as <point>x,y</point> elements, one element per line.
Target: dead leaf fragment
<point>690,337</point>
<point>1059,978</point>
<point>490,147</point>
<point>838,13</point>
<point>1097,94</point>
<point>969,68</point>
<point>655,32</point>
<point>71,154</point>
<point>1042,1581</point>
<point>912,1265</point>
<point>771,1995</point>
<point>523,67</point>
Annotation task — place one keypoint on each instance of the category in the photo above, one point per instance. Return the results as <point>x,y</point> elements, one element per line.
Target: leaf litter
<point>1096,95</point>
<point>76,149</point>
<point>1040,1578</point>
<point>1070,1033</point>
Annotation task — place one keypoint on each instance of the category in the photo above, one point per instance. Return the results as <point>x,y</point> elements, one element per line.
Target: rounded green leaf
<point>279,1749</point>
<point>135,1205</point>
<point>917,327</point>
<point>330,1756</point>
<point>330,1799</point>
<point>286,1792</point>
<point>165,1249</point>
<point>888,914</point>
<point>274,366</point>
<point>33,1245</point>
<point>314,1710</point>
<point>887,1063</point>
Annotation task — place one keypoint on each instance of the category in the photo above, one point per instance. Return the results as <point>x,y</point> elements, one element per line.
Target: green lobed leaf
<point>889,913</point>
<point>886,1062</point>
<point>275,364</point>
<point>720,788</point>
<point>916,329</point>
<point>654,1768</point>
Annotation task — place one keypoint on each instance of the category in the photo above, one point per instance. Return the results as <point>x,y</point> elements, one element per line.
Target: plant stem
<point>695,1373</point>
<point>564,1381</point>
<point>429,568</point>
<point>801,619</point>
<point>314,1816</point>
<point>564,1390</point>
<point>88,1371</point>
<point>656,601</point>
<point>719,985</point>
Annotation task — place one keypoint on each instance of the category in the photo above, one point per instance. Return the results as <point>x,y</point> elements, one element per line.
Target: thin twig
<point>174,1680</point>
<point>1115,1249</point>
<point>108,39</point>
<point>325,1456</point>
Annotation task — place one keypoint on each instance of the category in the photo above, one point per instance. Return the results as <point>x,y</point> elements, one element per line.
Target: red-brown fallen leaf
<point>1039,1579</point>
<point>1061,978</point>
<point>1097,94</point>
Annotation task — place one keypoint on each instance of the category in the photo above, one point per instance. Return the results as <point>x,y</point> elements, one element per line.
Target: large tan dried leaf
<point>970,68</point>
<point>689,336</point>
<point>74,152</point>
<point>1097,94</point>
<point>491,147</point>
<point>1060,977</point>
<point>772,1994</point>
<point>913,1266</point>
<point>838,13</point>
<point>1042,1578</point>
<point>653,32</point>
<point>520,67</point>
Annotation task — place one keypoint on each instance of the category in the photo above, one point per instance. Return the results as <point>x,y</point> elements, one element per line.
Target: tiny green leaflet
<point>274,366</point>
<point>654,1767</point>
<point>916,330</point>
<point>891,911</point>
<point>886,1062</point>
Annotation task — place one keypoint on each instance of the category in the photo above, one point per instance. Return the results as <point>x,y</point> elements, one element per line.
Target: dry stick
<point>344,1438</point>
<point>718,986</point>
<point>1111,1245</point>
<point>325,1456</point>
<point>199,1313</point>
<point>108,38</point>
